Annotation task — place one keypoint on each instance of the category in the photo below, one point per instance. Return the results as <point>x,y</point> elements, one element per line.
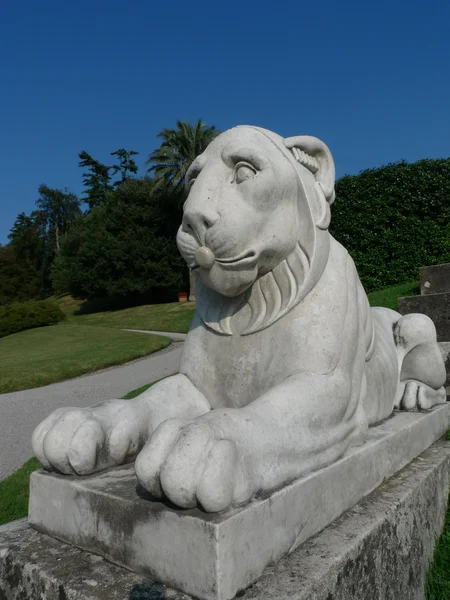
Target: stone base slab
<point>213,556</point>
<point>379,550</point>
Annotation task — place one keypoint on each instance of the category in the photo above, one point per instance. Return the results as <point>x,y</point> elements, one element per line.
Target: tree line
<point>122,244</point>
<point>392,219</point>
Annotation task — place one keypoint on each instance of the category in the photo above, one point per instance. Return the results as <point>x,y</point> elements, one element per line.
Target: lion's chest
<point>232,371</point>
<point>235,370</point>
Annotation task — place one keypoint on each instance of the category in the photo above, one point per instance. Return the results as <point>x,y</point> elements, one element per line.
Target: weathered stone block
<point>380,549</point>
<point>435,306</point>
<point>445,351</point>
<point>213,556</point>
<point>435,279</point>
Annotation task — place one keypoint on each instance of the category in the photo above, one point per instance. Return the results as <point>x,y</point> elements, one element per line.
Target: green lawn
<point>175,316</point>
<point>45,355</point>
<point>14,492</point>
<point>69,305</point>
<point>388,296</point>
<point>139,391</point>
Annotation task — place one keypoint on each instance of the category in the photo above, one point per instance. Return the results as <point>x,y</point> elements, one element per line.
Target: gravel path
<point>20,412</point>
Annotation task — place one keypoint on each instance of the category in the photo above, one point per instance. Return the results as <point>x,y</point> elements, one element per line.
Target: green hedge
<point>394,219</point>
<point>19,316</point>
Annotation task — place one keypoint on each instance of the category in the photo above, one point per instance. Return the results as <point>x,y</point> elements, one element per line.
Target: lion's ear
<point>313,154</point>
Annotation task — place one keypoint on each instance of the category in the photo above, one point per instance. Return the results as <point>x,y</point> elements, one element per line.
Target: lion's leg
<point>381,369</point>
<point>83,441</point>
<point>227,455</point>
<point>422,372</point>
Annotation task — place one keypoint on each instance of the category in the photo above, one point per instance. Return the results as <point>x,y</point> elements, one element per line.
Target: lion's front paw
<point>192,463</point>
<point>86,440</point>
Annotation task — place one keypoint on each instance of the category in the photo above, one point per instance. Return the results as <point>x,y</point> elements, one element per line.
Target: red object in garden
<point>182,296</point>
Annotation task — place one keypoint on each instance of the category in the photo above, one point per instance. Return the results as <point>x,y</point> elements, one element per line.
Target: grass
<point>14,493</point>
<point>174,316</point>
<point>49,354</point>
<point>139,391</point>
<point>438,580</point>
<point>69,305</point>
<point>388,296</point>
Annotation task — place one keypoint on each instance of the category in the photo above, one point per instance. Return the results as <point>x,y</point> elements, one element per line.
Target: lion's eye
<point>191,177</point>
<point>243,171</point>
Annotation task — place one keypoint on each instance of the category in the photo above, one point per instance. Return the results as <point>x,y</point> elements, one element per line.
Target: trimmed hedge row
<point>19,316</point>
<point>394,219</point>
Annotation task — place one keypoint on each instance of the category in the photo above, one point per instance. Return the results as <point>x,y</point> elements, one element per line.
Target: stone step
<point>435,306</point>
<point>435,279</point>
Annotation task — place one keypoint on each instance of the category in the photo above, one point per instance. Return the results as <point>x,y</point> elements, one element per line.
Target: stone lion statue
<point>285,365</point>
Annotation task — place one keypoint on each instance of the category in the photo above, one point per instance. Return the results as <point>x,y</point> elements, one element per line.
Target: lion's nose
<point>199,222</point>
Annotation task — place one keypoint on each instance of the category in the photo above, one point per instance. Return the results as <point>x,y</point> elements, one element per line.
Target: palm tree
<point>179,148</point>
<point>172,159</point>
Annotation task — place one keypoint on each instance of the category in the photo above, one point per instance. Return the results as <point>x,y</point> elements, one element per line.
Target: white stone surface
<point>285,365</point>
<point>214,556</point>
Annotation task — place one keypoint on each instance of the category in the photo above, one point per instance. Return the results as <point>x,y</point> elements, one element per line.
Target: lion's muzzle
<point>204,257</point>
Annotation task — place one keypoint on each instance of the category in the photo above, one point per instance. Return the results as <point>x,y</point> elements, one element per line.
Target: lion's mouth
<point>244,259</point>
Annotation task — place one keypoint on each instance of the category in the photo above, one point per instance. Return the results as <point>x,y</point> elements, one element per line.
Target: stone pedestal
<point>213,556</point>
<point>434,300</point>
<point>435,306</point>
<point>435,279</point>
<point>445,351</point>
<point>380,549</point>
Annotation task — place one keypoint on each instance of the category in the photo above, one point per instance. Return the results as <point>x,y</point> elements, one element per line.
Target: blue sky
<point>371,79</point>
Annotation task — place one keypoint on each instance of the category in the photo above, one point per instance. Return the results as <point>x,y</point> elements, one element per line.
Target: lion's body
<point>306,340</point>
<point>285,365</point>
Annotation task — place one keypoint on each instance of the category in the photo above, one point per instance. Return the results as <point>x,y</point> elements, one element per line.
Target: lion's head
<point>255,225</point>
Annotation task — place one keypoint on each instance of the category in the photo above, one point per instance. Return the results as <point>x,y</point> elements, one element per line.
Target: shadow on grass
<point>111,303</point>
